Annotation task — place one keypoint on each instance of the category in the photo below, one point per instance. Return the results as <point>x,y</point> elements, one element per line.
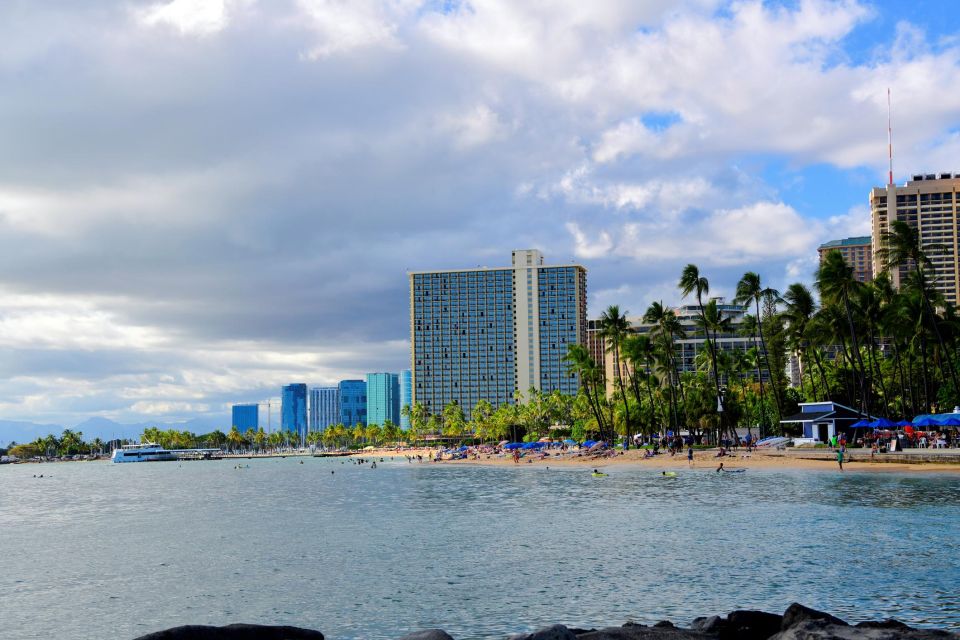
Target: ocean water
<point>100,550</point>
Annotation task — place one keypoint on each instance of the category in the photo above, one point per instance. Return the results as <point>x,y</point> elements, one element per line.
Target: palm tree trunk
<point>763,348</point>
<point>898,363</point>
<point>876,362</point>
<point>948,361</point>
<point>923,371</point>
<point>713,362</point>
<point>623,394</point>
<point>856,350</point>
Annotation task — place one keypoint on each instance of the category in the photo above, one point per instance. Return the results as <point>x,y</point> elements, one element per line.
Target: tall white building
<point>928,202</point>
<point>485,333</point>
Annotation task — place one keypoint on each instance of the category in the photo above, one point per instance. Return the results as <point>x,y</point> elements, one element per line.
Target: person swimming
<point>720,468</point>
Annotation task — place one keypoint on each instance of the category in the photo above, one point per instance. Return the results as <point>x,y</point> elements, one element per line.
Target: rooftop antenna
<point>889,140</point>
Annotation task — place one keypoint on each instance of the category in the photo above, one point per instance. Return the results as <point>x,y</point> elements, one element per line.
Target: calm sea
<point>99,550</point>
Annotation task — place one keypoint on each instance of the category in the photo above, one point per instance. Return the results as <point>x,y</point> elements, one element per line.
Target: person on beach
<point>840,458</point>
<point>689,456</point>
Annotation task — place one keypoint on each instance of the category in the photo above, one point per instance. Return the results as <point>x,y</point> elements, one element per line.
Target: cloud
<point>201,201</point>
<point>189,17</point>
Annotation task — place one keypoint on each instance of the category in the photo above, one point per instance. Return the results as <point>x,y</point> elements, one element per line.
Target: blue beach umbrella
<point>903,423</point>
<point>925,421</point>
<point>952,421</point>
<point>589,443</point>
<point>860,424</point>
<point>883,423</point>
<point>512,446</point>
<point>569,441</point>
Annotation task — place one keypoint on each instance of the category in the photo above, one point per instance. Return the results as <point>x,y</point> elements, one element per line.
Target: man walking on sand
<point>690,455</point>
<point>840,458</point>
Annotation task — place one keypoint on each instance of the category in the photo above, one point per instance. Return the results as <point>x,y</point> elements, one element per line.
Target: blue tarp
<point>589,443</point>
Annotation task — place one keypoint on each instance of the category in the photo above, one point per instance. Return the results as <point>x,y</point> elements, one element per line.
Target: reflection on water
<point>119,550</point>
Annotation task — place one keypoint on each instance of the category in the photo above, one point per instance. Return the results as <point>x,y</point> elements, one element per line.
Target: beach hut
<point>820,421</point>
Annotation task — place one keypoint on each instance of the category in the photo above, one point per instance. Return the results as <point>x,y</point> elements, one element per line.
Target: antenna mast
<point>889,140</point>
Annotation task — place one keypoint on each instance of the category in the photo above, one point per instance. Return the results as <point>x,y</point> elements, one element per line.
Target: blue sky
<point>202,200</point>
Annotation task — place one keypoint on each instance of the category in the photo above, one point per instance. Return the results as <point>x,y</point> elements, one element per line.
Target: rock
<point>632,631</point>
<point>822,630</point>
<point>234,632</point>
<point>797,613</point>
<point>556,632</point>
<point>890,623</point>
<point>665,623</point>
<point>752,625</point>
<point>712,624</point>
<point>428,634</point>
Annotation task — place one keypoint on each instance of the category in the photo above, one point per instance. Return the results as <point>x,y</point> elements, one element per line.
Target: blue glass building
<point>293,409</point>
<point>353,402</point>
<point>324,407</point>
<point>406,396</point>
<point>482,334</point>
<point>245,416</point>
<point>383,398</point>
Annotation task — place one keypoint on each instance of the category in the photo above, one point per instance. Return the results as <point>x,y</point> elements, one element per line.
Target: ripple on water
<point>479,551</point>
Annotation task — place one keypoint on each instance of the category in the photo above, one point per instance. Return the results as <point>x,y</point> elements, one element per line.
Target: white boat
<point>145,452</point>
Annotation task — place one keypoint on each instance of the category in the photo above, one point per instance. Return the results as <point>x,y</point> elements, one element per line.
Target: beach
<point>798,459</point>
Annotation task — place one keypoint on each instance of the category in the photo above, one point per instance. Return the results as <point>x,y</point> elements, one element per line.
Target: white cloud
<point>341,26</point>
<point>189,17</point>
<point>219,197</point>
<point>586,248</point>
<point>472,127</point>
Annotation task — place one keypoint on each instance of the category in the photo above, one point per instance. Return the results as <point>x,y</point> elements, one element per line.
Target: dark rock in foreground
<point>234,632</point>
<point>797,623</point>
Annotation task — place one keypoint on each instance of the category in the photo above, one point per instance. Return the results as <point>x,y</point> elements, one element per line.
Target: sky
<point>203,200</point>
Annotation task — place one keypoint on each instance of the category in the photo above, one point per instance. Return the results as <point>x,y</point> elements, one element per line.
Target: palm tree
<point>692,282</point>
<point>235,439</point>
<point>749,289</point>
<point>902,248</point>
<point>667,329</point>
<point>579,361</point>
<point>836,284</point>
<point>482,418</point>
<point>800,307</point>
<point>614,328</point>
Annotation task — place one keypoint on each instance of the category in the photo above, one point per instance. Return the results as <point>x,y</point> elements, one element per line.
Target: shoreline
<point>703,459</point>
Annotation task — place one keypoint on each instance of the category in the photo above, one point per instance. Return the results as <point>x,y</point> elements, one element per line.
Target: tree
<point>902,247</point>
<point>614,328</point>
<point>235,439</point>
<point>482,419</point>
<point>692,282</point>
<point>454,420</point>
<point>749,289</point>
<point>836,284</point>
<point>579,361</point>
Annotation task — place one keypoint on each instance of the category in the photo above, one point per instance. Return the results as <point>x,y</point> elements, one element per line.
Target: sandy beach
<point>858,460</point>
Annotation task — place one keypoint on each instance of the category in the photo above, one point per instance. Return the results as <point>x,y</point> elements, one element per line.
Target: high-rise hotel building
<point>929,203</point>
<point>484,333</point>
<point>856,252</point>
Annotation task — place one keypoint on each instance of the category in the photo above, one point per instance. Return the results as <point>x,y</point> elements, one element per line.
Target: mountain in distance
<point>22,431</point>
<point>104,428</point>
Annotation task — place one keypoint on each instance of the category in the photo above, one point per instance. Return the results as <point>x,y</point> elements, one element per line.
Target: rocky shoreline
<point>796,623</point>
